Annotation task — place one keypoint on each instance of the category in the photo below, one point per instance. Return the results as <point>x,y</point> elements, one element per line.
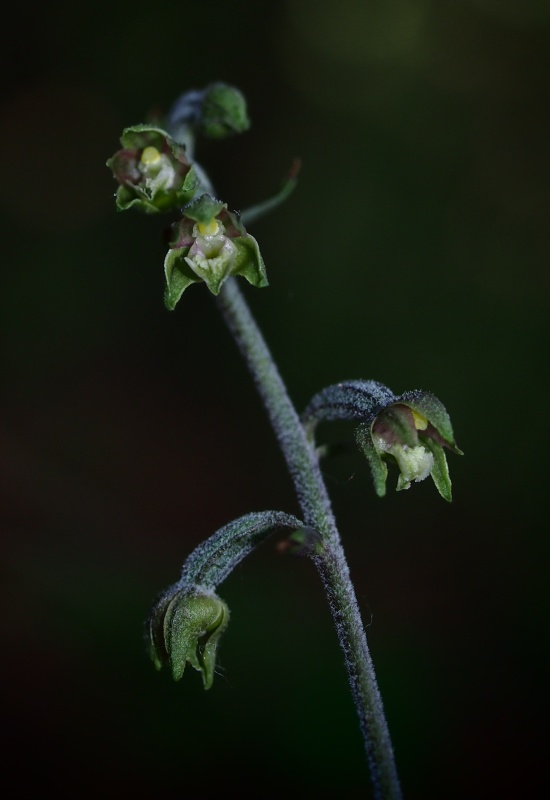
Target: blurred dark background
<point>415,251</point>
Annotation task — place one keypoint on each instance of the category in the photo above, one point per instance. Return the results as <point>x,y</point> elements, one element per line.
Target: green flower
<point>185,627</point>
<point>410,431</point>
<point>210,244</point>
<point>153,171</point>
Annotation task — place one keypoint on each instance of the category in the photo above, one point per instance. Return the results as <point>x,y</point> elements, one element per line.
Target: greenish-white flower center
<point>157,170</point>
<point>212,255</point>
<point>415,463</point>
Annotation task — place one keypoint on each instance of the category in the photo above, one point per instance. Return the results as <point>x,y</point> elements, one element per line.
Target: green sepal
<point>162,202</point>
<point>204,208</point>
<point>249,262</point>
<point>179,276</point>
<point>154,631</point>
<point>378,467</point>
<point>184,627</point>
<point>193,624</point>
<point>435,412</point>
<point>440,470</point>
<point>142,135</point>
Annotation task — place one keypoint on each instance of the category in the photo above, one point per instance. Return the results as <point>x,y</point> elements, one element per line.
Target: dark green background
<point>415,251</point>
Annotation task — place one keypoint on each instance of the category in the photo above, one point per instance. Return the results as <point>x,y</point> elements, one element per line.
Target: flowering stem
<point>303,465</point>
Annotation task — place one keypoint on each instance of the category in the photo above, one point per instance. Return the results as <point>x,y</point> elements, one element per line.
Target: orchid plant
<point>157,173</point>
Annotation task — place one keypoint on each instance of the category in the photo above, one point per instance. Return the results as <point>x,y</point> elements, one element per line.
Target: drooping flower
<point>210,244</point>
<point>411,431</point>
<point>184,627</point>
<point>187,620</point>
<point>152,170</point>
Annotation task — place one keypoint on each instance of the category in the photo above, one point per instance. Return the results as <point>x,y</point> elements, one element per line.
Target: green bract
<point>185,627</point>
<point>210,244</point>
<point>410,430</point>
<point>153,171</point>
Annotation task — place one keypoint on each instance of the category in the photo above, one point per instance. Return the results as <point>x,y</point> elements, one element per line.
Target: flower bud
<point>216,112</point>
<point>223,111</point>
<point>185,627</point>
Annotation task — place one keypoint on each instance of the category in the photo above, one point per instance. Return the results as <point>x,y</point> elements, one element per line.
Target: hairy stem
<point>330,561</point>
